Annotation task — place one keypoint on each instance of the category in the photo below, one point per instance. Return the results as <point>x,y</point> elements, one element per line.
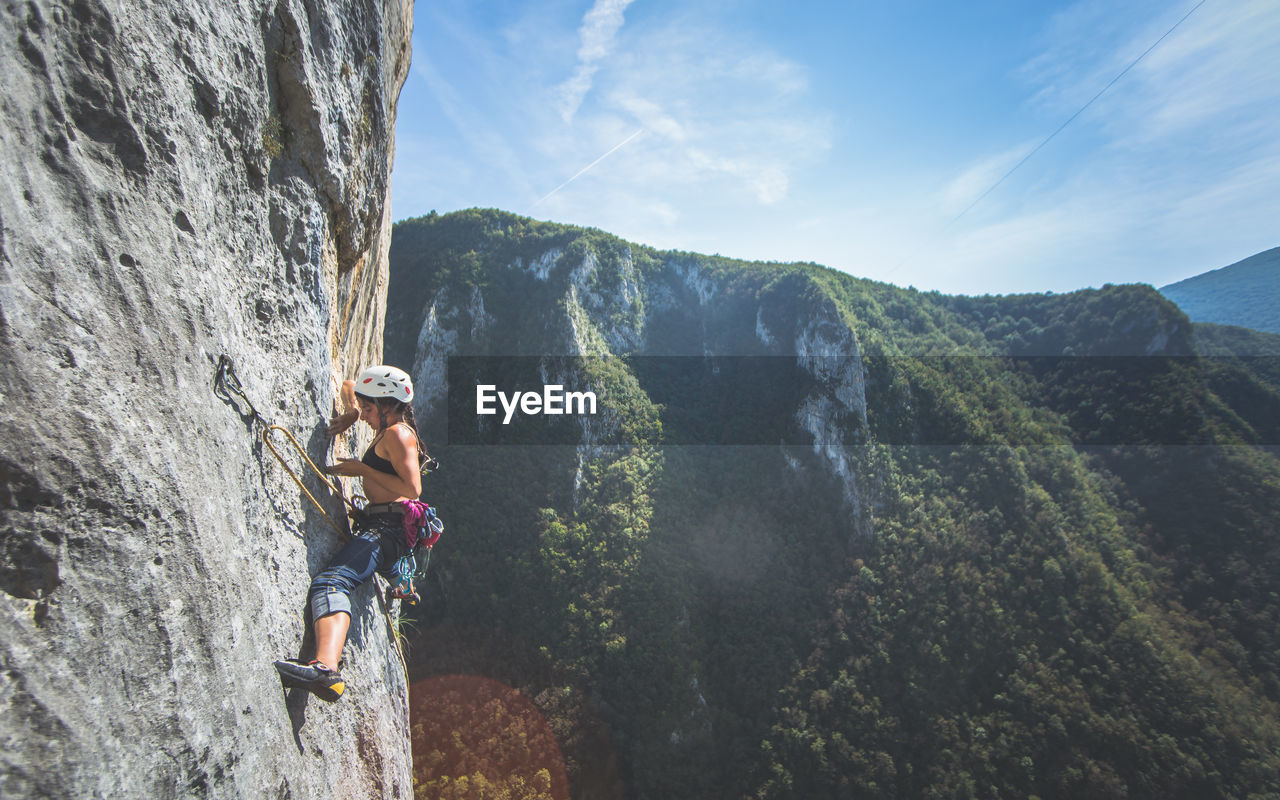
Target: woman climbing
<point>391,471</point>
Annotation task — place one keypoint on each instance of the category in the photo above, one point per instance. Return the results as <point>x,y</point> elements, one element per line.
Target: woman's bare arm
<point>402,452</point>
<point>348,413</point>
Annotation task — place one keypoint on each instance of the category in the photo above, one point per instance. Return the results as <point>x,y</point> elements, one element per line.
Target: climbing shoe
<point>325,683</point>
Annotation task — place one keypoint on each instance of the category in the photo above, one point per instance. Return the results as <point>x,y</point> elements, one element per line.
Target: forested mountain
<point>1246,293</point>
<point>889,544</point>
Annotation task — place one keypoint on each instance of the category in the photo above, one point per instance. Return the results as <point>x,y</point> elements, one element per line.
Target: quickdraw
<point>227,386</point>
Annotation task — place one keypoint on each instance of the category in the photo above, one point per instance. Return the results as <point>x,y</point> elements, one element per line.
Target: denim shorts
<point>377,544</point>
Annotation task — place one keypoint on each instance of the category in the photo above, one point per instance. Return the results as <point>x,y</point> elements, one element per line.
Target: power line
<point>1063,126</point>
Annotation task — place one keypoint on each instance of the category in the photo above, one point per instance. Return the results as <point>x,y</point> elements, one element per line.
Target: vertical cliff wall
<point>180,181</point>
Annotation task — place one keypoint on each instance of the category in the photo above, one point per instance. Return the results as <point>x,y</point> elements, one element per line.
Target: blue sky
<point>855,134</point>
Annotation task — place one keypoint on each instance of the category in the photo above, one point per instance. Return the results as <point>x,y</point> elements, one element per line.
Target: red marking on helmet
<point>366,380</point>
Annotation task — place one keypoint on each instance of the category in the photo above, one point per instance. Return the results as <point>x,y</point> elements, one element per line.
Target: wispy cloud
<point>1224,66</point>
<point>650,115</point>
<point>1176,162</point>
<point>729,123</point>
<point>1223,59</point>
<point>978,178</point>
<point>596,37</point>
<point>488,146</point>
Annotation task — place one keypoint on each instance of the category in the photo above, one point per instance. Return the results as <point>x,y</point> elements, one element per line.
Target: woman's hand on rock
<point>346,467</point>
<point>341,422</point>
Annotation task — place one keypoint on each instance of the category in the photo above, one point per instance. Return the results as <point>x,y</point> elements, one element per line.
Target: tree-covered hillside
<point>1003,546</point>
<point>1257,352</point>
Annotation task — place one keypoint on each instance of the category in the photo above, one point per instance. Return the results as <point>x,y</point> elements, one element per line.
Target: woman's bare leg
<point>331,636</point>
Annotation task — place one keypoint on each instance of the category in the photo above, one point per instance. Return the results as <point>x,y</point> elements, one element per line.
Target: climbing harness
<point>422,526</point>
<point>422,529</point>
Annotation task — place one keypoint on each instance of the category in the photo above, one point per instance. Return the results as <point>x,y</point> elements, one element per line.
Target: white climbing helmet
<point>384,381</point>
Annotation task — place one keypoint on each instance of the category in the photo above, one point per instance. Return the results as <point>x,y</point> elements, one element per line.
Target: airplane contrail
<point>579,173</point>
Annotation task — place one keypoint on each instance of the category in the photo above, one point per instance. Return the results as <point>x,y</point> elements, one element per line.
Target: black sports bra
<point>377,462</point>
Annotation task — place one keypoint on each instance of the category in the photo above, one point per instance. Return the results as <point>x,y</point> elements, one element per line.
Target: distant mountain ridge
<point>1246,293</point>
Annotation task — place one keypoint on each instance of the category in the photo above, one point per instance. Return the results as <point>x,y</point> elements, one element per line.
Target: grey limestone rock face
<point>182,181</point>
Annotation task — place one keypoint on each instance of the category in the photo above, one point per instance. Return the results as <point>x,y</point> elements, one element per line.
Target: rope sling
<point>227,386</point>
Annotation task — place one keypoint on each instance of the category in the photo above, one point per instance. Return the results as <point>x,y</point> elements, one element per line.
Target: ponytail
<point>426,463</point>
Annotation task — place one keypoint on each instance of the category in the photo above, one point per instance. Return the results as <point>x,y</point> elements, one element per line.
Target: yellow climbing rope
<point>266,439</point>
